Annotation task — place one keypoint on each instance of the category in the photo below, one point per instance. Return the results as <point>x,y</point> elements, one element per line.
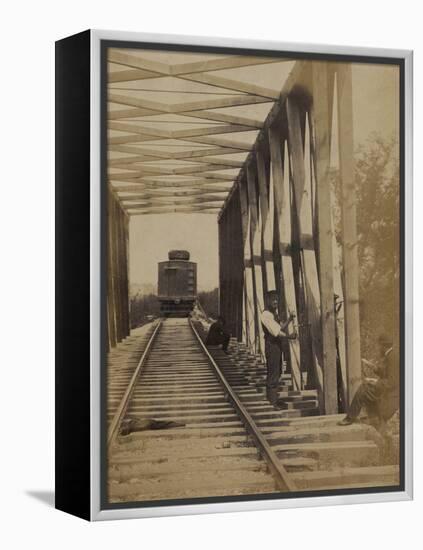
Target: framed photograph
<point>234,253</point>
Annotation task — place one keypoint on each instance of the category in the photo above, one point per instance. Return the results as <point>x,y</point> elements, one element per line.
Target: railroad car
<point>177,285</point>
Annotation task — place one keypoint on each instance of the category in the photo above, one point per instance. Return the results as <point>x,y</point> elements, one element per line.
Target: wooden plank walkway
<point>209,453</point>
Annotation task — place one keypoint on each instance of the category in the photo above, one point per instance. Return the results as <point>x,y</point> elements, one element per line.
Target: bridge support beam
<point>118,324</point>
<point>349,228</point>
<point>285,202</point>
<point>321,125</point>
<point>255,240</point>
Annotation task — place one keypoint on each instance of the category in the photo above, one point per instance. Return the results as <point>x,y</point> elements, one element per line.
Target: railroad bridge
<point>250,140</point>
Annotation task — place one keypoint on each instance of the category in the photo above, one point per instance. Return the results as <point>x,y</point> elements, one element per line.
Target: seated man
<point>218,335</point>
<point>379,396</point>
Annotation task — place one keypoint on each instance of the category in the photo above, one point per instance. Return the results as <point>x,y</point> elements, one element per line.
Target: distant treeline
<point>141,307</point>
<point>210,302</point>
<point>144,305</point>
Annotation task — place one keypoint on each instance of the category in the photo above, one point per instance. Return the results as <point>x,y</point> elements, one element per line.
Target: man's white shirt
<point>269,322</point>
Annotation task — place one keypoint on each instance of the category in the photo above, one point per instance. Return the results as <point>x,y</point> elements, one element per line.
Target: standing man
<point>218,335</point>
<point>274,332</point>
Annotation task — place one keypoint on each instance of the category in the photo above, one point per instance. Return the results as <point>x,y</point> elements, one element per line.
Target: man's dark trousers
<point>362,399</point>
<point>273,353</point>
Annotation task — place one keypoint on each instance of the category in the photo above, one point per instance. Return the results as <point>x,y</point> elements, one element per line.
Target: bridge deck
<point>207,451</point>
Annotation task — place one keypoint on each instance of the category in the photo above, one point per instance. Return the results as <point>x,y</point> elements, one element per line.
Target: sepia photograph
<point>252,272</point>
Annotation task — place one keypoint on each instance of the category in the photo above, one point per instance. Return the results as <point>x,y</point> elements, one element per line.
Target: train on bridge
<point>177,284</point>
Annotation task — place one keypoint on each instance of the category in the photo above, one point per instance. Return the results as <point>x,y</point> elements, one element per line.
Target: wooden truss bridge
<point>249,139</point>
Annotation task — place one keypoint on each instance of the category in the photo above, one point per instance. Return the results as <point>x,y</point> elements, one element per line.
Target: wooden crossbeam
<point>147,195</point>
<point>235,85</point>
<point>142,162</point>
<point>188,170</point>
<point>157,107</point>
<point>166,185</point>
<point>129,59</point>
<point>129,75</point>
<point>171,182</point>
<point>230,62</point>
<point>171,206</point>
<point>129,160</point>
<point>187,201</point>
<point>222,177</point>
<point>198,169</point>
<point>203,140</point>
<point>221,161</point>
<point>210,130</point>
<point>173,155</point>
<point>121,140</point>
<point>225,117</point>
<point>221,143</point>
<point>130,113</point>
<point>135,127</point>
<point>205,115</point>
<point>179,210</point>
<point>205,178</point>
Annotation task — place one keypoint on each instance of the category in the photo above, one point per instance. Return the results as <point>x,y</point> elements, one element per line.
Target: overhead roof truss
<point>180,126</point>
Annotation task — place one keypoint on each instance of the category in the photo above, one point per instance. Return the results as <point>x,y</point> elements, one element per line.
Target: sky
<point>375,109</point>
<point>151,237</point>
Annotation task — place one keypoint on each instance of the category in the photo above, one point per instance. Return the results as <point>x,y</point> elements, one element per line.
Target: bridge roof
<point>181,124</point>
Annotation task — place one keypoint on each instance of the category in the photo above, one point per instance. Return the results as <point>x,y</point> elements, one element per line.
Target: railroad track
<point>218,451</point>
<point>226,439</point>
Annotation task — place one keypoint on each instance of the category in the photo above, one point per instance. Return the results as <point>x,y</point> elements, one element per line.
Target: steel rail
<point>282,478</point>
<point>123,405</point>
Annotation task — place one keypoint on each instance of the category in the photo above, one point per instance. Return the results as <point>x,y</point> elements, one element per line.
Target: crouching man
<point>274,333</point>
<point>218,335</point>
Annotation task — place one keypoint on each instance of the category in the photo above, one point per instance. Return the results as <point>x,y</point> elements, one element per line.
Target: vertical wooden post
<point>229,268</point>
<point>301,176</point>
<point>238,254</point>
<point>117,274</point>
<point>267,217</point>
<point>120,269</point>
<point>349,227</point>
<point>220,252</point>
<point>256,254</point>
<point>223,294</point>
<point>233,290</point>
<point>281,189</point>
<point>248,271</point>
<point>125,274</point>
<point>324,227</point>
<point>111,325</point>
<point>224,289</point>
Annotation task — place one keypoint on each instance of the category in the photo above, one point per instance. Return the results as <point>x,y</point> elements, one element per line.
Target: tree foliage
<point>377,192</point>
<point>141,306</point>
<point>209,301</point>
